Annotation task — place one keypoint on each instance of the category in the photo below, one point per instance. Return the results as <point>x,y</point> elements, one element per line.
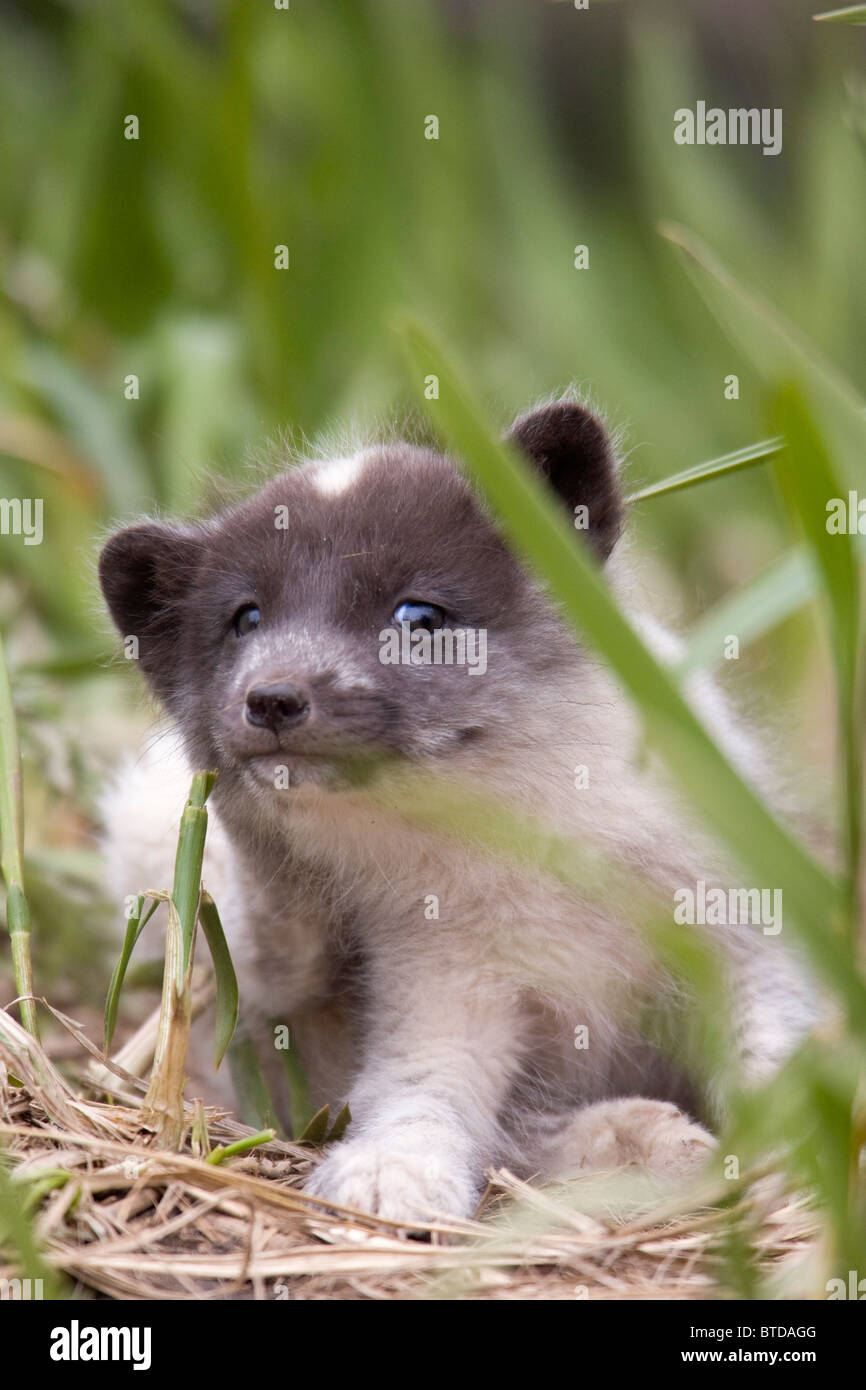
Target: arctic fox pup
<point>356,626</point>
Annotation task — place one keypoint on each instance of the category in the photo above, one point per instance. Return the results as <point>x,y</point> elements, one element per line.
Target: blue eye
<point>418,615</point>
<point>246,619</point>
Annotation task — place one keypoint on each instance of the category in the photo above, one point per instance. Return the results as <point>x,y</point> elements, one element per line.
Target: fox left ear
<point>570,448</point>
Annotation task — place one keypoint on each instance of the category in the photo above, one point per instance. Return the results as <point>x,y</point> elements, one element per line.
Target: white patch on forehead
<point>336,476</point>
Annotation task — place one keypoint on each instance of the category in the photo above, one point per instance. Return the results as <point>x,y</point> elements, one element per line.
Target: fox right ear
<point>145,572</point>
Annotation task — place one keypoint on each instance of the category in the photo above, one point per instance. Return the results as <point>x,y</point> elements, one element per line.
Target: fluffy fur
<point>452,1035</point>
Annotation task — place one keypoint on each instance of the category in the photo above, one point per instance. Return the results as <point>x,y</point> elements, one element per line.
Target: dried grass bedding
<point>118,1218</point>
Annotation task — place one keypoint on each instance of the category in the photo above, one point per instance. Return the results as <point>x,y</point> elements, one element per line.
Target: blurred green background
<point>305,127</point>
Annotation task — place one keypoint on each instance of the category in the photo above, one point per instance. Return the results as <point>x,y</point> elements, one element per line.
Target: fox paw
<point>399,1185</point>
<point>650,1134</point>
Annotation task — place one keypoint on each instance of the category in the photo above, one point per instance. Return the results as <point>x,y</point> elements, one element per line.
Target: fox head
<point>357,608</point>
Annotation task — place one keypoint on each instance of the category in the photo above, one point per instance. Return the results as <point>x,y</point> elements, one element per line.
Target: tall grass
<point>820,1092</point>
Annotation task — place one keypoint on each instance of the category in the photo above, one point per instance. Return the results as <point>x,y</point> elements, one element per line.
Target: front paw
<point>397,1184</point>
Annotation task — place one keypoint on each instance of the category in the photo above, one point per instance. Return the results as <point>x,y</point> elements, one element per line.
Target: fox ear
<point>145,572</point>
<point>570,448</point>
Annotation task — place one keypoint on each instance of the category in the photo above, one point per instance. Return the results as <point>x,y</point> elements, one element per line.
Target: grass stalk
<point>162,1109</point>
<point>187,869</point>
<point>241,1146</point>
<point>11,851</point>
<point>715,468</point>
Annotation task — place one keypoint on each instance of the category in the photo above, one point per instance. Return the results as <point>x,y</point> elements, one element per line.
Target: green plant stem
<point>224,974</point>
<point>11,846</point>
<point>715,468</point>
<point>299,1090</point>
<point>162,1107</point>
<point>240,1146</point>
<point>187,868</point>
<point>807,478</point>
<point>851,14</point>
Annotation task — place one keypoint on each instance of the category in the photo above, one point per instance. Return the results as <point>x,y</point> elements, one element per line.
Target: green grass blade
<point>162,1109</point>
<point>772,596</point>
<point>299,1089</point>
<point>135,925</point>
<point>340,1125</point>
<point>187,868</point>
<point>95,420</point>
<point>537,530</point>
<point>11,849</point>
<point>226,979</point>
<point>808,483</point>
<point>714,468</point>
<point>255,1103</point>
<point>852,14</point>
<point>780,351</point>
<point>315,1130</point>
<point>779,591</point>
<point>240,1146</point>
<point>18,1238</point>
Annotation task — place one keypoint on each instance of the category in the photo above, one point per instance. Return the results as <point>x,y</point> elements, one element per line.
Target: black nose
<point>277,706</point>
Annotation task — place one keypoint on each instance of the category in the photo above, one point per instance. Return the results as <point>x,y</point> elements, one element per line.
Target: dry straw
<point>119,1216</point>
